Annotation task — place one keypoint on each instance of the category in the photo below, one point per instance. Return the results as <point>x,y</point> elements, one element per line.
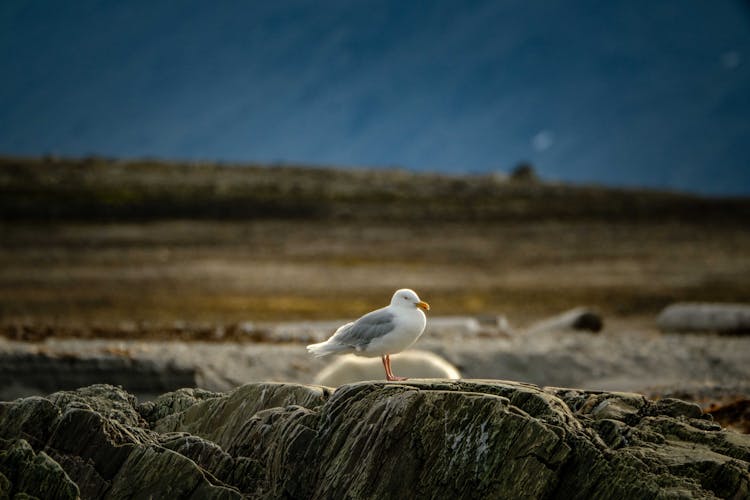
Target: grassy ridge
<point>99,189</point>
<point>96,241</point>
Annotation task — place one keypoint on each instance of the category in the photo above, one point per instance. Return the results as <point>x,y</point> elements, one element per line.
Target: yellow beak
<point>423,305</point>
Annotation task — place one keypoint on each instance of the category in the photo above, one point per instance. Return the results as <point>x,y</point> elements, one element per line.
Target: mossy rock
<point>30,474</point>
<point>413,439</point>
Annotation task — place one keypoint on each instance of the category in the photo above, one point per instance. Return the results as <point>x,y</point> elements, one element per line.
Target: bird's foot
<point>394,378</point>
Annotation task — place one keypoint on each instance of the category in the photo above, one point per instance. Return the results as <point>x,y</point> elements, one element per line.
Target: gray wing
<point>370,326</point>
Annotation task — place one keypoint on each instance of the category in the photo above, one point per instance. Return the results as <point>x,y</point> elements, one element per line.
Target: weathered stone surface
<point>29,419</point>
<point>173,402</point>
<point>24,471</point>
<point>108,401</point>
<point>217,417</point>
<point>423,439</point>
<point>96,435</point>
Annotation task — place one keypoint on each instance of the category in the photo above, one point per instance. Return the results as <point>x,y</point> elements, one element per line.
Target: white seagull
<point>381,332</point>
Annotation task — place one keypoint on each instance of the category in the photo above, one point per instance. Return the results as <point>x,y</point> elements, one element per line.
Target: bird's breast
<point>419,319</point>
<point>411,324</point>
<point>408,326</point>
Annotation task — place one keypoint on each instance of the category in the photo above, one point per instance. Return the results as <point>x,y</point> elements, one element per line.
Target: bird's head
<point>408,298</point>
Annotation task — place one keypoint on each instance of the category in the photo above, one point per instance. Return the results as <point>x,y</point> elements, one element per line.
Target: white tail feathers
<point>325,348</point>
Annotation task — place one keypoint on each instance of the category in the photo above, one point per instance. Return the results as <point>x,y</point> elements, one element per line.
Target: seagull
<point>382,332</point>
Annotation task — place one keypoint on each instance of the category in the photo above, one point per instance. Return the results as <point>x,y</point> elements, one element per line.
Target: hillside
<point>104,241</point>
<point>94,189</point>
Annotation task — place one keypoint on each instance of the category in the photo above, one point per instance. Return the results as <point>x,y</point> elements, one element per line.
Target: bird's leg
<point>385,366</point>
<point>388,372</point>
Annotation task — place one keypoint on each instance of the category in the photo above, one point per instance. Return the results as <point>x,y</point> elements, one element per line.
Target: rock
<point>678,408</point>
<point>111,453</point>
<point>614,406</point>
<point>441,438</point>
<point>588,321</point>
<point>173,402</point>
<point>705,317</point>
<point>108,401</point>
<point>654,363</point>
<point>25,471</point>
<point>24,373</point>
<point>221,419</point>
<point>413,364</point>
<point>579,318</point>
<point>28,419</point>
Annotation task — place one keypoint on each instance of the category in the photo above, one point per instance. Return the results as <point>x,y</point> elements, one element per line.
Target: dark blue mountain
<point>626,92</point>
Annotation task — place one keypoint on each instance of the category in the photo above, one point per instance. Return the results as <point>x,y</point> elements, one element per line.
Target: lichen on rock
<point>422,438</point>
<point>24,471</point>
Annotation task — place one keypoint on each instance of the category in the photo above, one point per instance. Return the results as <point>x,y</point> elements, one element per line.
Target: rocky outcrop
<point>24,471</point>
<point>428,438</point>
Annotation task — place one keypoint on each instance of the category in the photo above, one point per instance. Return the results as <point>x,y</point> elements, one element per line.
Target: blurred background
<point>621,93</point>
<point>187,189</point>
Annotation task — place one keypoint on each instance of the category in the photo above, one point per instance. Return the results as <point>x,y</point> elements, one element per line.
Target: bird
<point>382,332</point>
